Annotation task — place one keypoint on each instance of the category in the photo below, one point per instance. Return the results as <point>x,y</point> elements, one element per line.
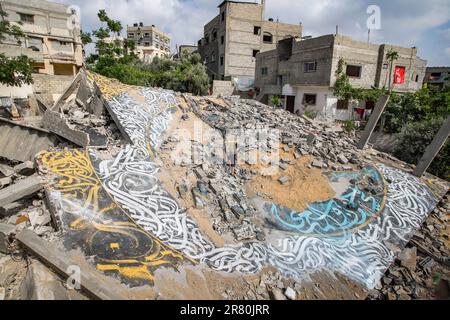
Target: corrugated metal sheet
<point>22,143</point>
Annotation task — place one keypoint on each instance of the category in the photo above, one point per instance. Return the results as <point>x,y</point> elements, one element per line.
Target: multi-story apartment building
<point>150,42</point>
<point>51,40</point>
<point>236,35</point>
<point>304,73</point>
<point>438,76</point>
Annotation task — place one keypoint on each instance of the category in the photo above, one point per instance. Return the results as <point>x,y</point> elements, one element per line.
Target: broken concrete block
<point>290,293</point>
<point>283,180</point>
<point>277,294</point>
<point>56,123</point>
<point>284,166</point>
<point>38,219</point>
<point>7,171</point>
<point>19,190</point>
<point>182,190</point>
<point>43,284</point>
<point>408,258</point>
<point>342,159</point>
<point>5,182</point>
<point>6,232</point>
<point>26,168</point>
<point>317,164</point>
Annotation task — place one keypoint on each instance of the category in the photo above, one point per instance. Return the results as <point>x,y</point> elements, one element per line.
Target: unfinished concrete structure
<point>304,72</point>
<point>56,48</point>
<point>150,42</point>
<point>438,76</point>
<point>233,38</point>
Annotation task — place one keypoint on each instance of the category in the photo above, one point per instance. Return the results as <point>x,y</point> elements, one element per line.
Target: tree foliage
<point>117,59</point>
<point>414,139</point>
<point>14,71</point>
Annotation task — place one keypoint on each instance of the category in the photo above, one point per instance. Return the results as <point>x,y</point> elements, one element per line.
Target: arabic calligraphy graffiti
<point>340,216</point>
<point>93,222</point>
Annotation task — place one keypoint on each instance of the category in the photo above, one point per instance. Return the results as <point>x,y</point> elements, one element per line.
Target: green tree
<point>276,101</point>
<point>14,71</point>
<point>414,139</point>
<point>391,55</point>
<point>86,38</point>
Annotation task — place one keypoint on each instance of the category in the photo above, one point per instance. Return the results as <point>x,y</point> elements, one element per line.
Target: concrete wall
<point>223,88</point>
<point>51,85</point>
<point>237,28</point>
<point>443,81</point>
<point>49,32</point>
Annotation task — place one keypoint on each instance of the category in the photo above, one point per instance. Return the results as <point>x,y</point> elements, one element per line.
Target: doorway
<point>290,103</point>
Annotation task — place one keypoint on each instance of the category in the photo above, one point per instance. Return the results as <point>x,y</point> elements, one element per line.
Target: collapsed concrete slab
<point>21,143</point>
<point>125,203</point>
<point>22,188</point>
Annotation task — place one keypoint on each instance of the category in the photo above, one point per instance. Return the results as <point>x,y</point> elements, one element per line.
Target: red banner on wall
<point>399,75</point>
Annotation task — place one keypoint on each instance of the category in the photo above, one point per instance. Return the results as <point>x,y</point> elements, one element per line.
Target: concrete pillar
<point>370,127</point>
<point>433,149</point>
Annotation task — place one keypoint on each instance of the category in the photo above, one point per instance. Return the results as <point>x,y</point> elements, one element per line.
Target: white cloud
<point>404,22</point>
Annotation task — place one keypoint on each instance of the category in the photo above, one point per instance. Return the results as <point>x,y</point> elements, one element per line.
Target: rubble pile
<point>80,118</point>
<point>422,269</point>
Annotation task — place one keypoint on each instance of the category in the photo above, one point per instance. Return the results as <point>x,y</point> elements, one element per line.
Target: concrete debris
<point>290,293</point>
<point>20,189</point>
<point>422,270</point>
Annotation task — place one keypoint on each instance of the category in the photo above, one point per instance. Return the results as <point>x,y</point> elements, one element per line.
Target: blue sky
<point>424,24</point>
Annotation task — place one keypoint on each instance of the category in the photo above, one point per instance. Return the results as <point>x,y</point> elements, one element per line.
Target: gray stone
<point>342,159</point>
<point>283,180</point>
<point>290,293</point>
<point>277,294</point>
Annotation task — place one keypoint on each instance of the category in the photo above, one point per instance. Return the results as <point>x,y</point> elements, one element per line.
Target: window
<point>147,34</point>
<point>342,105</point>
<point>267,37</point>
<point>309,99</point>
<point>310,66</point>
<point>279,80</point>
<point>257,30</point>
<point>264,71</point>
<point>221,60</point>
<point>435,76</point>
<point>35,44</point>
<point>131,34</point>
<point>199,43</point>
<point>206,60</point>
<point>255,52</point>
<point>417,78</point>
<point>354,71</point>
<point>207,39</point>
<point>370,105</point>
<point>147,44</point>
<point>222,39</point>
<point>213,57</point>
<point>27,18</point>
<point>214,35</point>
<point>223,16</point>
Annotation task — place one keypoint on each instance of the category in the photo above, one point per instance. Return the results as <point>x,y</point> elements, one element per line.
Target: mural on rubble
<point>93,222</point>
<point>389,212</point>
<point>354,209</point>
<point>145,123</point>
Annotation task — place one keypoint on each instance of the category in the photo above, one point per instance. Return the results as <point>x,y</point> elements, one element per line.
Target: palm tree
<point>391,55</point>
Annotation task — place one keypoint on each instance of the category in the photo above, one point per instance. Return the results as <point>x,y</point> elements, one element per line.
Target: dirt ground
<point>305,185</point>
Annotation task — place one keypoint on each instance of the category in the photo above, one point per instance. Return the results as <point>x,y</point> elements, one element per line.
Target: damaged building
<point>150,42</point>
<point>235,36</point>
<point>304,72</point>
